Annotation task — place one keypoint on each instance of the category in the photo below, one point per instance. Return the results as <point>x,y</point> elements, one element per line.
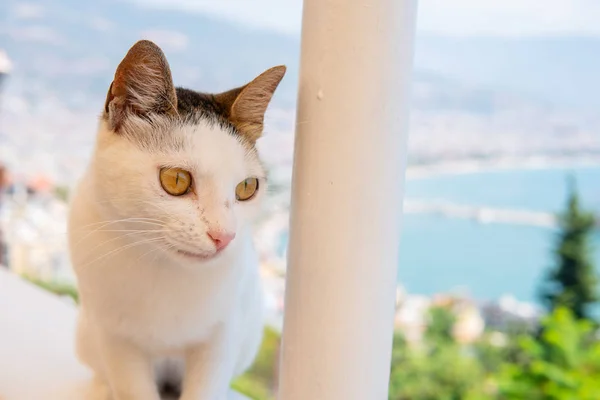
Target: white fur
<point>145,307</point>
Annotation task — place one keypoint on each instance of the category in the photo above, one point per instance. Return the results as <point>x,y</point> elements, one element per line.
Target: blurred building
<point>412,316</point>
<point>508,314</point>
<point>3,245</point>
<point>469,324</point>
<point>5,67</point>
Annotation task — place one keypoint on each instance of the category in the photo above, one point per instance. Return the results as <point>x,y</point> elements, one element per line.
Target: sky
<point>512,18</point>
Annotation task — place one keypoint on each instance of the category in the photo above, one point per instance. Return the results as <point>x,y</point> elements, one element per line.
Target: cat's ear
<point>247,105</point>
<point>142,85</point>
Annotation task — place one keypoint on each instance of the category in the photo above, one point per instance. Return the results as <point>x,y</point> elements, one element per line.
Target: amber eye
<point>246,189</point>
<point>175,181</point>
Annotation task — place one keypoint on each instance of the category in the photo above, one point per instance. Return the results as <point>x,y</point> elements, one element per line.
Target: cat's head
<point>180,163</point>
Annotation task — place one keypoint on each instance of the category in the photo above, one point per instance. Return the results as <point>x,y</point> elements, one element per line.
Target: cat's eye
<point>175,181</point>
<point>246,189</point>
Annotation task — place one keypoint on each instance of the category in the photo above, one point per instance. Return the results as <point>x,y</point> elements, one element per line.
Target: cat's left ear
<point>247,105</point>
<point>142,85</point>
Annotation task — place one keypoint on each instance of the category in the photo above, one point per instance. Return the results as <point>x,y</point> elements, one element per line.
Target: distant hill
<point>472,97</point>
<point>557,70</point>
<point>77,44</point>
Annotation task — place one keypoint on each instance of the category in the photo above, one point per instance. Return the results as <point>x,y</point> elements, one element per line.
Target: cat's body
<point>160,234</point>
<point>162,311</point>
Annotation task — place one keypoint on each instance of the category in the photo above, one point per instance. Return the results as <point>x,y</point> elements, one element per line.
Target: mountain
<point>75,46</point>
<point>472,97</point>
<point>558,70</point>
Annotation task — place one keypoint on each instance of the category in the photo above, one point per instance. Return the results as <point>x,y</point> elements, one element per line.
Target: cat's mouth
<point>195,256</point>
<point>192,255</point>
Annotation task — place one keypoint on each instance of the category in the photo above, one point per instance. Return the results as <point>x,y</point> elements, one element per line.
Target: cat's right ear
<point>142,85</point>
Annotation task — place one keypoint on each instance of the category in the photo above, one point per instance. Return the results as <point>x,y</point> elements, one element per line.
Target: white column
<point>347,192</point>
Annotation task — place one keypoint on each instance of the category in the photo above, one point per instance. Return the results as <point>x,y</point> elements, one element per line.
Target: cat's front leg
<point>210,367</point>
<point>128,370</point>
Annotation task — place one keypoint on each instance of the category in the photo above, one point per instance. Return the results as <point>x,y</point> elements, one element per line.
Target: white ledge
<point>37,359</point>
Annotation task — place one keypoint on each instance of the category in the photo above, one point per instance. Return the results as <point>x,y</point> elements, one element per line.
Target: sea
<point>489,260</point>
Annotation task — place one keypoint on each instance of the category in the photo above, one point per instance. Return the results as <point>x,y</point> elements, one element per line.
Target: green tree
<point>562,364</point>
<point>441,323</point>
<point>572,283</point>
<point>446,374</point>
<point>436,369</point>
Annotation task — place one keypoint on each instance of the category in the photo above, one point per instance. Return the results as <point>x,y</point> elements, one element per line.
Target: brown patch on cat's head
<point>142,95</point>
<point>142,85</point>
<point>243,107</point>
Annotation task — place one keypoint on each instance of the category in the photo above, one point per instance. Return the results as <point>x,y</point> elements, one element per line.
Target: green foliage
<point>444,374</point>
<point>492,355</point>
<point>439,369</point>
<point>441,322</point>
<point>61,289</point>
<point>252,388</point>
<point>572,283</point>
<point>62,193</point>
<point>563,364</point>
<point>259,383</point>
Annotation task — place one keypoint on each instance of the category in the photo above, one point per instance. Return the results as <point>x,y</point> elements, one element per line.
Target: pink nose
<point>220,238</point>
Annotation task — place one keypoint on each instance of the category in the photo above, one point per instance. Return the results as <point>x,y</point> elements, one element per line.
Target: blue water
<point>536,190</point>
<point>441,254</point>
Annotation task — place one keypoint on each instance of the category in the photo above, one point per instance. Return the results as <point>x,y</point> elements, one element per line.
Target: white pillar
<point>347,191</point>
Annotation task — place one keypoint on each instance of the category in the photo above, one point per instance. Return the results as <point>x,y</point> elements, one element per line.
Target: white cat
<point>160,233</point>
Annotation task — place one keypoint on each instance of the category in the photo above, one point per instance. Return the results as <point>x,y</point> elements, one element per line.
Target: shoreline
<point>473,166</point>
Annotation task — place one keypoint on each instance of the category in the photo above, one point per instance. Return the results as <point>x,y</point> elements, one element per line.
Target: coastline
<point>474,166</point>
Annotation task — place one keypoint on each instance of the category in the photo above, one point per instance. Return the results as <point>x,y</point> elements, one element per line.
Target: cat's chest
<point>160,308</point>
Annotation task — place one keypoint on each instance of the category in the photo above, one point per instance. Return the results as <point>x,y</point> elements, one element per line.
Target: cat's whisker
<point>115,221</point>
<point>98,245</point>
<point>123,248</point>
<point>162,246</point>
<point>117,237</point>
<point>159,246</point>
<point>61,235</point>
<point>147,253</point>
<point>130,201</point>
<point>126,198</point>
<point>103,224</point>
<point>101,228</point>
<point>162,209</point>
<point>132,230</point>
